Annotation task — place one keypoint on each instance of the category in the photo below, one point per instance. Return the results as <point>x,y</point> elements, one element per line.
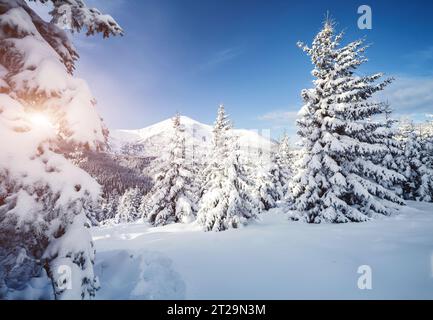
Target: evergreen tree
<point>285,152</point>
<point>268,182</point>
<point>198,165</point>
<point>416,164</point>
<point>284,163</point>
<point>109,206</point>
<point>342,178</point>
<point>128,207</point>
<point>227,200</point>
<point>44,198</point>
<point>426,188</point>
<point>173,198</point>
<point>390,160</point>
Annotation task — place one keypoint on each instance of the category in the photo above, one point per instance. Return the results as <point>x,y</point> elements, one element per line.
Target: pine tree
<point>129,205</point>
<point>268,182</point>
<point>198,161</point>
<point>341,178</point>
<point>44,198</point>
<point>109,206</point>
<point>390,160</point>
<point>426,188</point>
<point>173,198</point>
<point>285,152</point>
<point>227,200</point>
<point>416,164</point>
<point>285,163</point>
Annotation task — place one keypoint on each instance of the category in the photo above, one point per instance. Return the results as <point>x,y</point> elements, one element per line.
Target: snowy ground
<point>270,259</point>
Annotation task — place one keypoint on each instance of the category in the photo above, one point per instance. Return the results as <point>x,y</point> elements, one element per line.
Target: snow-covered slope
<point>153,140</point>
<point>273,258</point>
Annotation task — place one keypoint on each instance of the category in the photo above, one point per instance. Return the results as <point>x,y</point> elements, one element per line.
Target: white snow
<point>137,276</point>
<point>274,258</point>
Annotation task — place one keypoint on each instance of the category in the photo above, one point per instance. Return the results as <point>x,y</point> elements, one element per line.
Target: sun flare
<point>40,120</point>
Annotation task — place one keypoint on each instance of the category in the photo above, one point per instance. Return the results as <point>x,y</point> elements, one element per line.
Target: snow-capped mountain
<point>153,141</point>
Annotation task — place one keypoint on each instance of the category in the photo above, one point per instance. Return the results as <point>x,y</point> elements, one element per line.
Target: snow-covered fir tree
<point>285,162</point>
<point>426,190</point>
<point>285,152</point>
<point>44,198</point>
<point>395,150</point>
<point>416,163</point>
<point>227,200</point>
<point>268,182</point>
<point>109,205</point>
<point>341,178</point>
<point>174,195</point>
<point>390,159</point>
<point>128,209</point>
<point>198,160</point>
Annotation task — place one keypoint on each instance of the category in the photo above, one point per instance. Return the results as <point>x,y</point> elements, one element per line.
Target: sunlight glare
<point>40,120</point>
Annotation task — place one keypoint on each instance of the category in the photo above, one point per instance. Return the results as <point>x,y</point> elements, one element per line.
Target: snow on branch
<point>75,15</point>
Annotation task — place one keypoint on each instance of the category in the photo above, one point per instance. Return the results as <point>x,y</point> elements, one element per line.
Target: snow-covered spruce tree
<point>416,164</point>
<point>284,151</point>
<point>426,188</point>
<point>285,163</point>
<point>395,150</point>
<point>391,158</point>
<point>341,178</point>
<point>268,184</point>
<point>227,200</point>
<point>128,209</point>
<point>43,197</point>
<point>173,197</point>
<point>197,157</point>
<point>109,205</point>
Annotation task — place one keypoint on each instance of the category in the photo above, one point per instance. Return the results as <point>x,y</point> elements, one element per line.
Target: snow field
<point>274,258</point>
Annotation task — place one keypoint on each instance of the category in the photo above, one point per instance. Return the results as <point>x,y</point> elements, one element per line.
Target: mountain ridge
<point>154,139</point>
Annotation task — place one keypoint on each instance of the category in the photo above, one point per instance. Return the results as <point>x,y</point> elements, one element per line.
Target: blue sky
<point>191,55</point>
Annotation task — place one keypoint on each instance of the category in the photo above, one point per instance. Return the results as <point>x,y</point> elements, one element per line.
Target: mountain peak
<point>153,140</point>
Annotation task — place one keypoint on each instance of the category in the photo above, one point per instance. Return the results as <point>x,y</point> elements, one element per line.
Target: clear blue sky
<point>191,55</point>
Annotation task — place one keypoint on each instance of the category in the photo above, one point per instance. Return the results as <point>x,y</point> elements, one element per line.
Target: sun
<point>40,120</point>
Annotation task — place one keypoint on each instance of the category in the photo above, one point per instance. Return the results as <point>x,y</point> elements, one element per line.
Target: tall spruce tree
<point>416,163</point>
<point>128,207</point>
<point>426,188</point>
<point>173,197</point>
<point>342,178</point>
<point>268,182</point>
<point>395,151</point>
<point>109,205</point>
<point>285,163</point>
<point>44,198</point>
<point>227,200</point>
